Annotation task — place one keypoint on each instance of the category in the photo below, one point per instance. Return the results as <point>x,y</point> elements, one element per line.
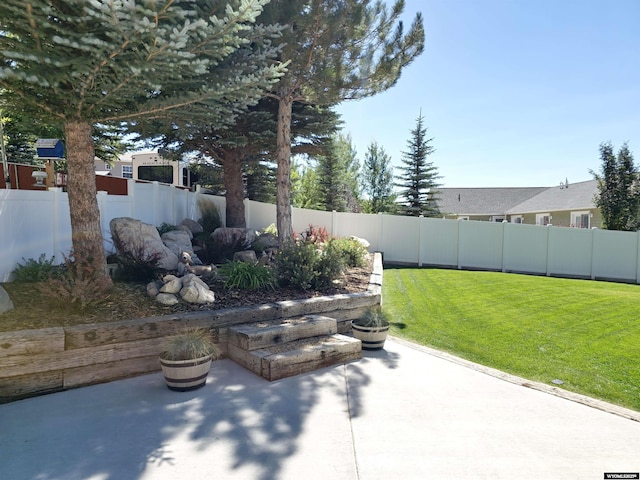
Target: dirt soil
<point>130,300</point>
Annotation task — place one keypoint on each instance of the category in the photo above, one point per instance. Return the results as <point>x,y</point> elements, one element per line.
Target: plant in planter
<point>371,329</point>
<point>186,359</point>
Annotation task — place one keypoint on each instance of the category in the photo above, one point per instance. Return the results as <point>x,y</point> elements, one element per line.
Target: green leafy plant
<point>78,285</point>
<point>352,251</point>
<point>272,229</point>
<point>247,276</point>
<point>189,344</point>
<point>304,266</point>
<point>36,270</point>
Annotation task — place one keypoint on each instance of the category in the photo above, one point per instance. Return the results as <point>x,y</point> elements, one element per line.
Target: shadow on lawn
<point>124,430</point>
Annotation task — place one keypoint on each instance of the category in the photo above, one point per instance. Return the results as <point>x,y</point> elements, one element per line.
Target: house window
<point>543,218</point>
<point>581,219</point>
<point>127,171</point>
<point>516,219</point>
<point>107,166</point>
<point>497,218</point>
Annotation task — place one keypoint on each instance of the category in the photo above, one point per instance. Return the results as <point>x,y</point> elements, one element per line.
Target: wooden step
<point>298,356</point>
<point>254,336</point>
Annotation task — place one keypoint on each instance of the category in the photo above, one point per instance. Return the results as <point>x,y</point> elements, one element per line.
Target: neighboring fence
<point>36,222</point>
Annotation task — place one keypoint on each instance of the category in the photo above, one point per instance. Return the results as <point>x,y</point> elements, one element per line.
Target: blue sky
<point>514,92</point>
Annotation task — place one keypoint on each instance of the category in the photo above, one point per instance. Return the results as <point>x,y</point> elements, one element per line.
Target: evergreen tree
<point>77,64</point>
<point>337,176</point>
<point>419,178</point>
<point>618,189</point>
<point>377,180</point>
<point>337,50</point>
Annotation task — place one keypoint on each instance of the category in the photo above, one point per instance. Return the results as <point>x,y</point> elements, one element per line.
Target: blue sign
<point>50,148</point>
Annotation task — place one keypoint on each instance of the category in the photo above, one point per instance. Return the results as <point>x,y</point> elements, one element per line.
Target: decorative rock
<point>266,241</point>
<point>195,290</point>
<point>179,241</point>
<point>172,284</point>
<point>5,302</point>
<point>365,243</point>
<point>167,299</point>
<point>142,240</point>
<point>184,228</point>
<point>192,225</point>
<point>247,256</point>
<point>153,289</point>
<point>232,238</point>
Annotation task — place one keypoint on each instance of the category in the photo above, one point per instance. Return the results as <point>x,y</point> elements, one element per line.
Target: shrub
<point>166,227</point>
<point>304,266</point>
<point>77,285</point>
<point>353,252</point>
<point>36,270</point>
<point>315,235</point>
<point>210,216</point>
<point>272,229</point>
<point>247,276</point>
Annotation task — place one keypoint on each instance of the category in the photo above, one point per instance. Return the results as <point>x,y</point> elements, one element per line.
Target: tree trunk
<point>283,153</point>
<point>86,235</point>
<point>232,173</point>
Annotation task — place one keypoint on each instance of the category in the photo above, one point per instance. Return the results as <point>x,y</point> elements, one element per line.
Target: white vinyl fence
<point>37,222</point>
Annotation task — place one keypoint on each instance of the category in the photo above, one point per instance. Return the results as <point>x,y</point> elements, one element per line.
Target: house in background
<point>147,166</point>
<point>567,205</point>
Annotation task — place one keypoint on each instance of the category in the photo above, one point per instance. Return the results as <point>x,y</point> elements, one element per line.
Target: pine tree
<point>419,178</point>
<point>77,64</point>
<point>337,176</point>
<point>337,50</point>
<point>618,189</point>
<point>377,180</point>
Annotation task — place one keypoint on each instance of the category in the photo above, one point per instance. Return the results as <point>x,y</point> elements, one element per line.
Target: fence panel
<point>570,252</point>
<point>400,238</point>
<point>439,242</point>
<point>615,255</point>
<point>525,248</point>
<point>259,215</point>
<point>301,218</point>
<point>480,245</point>
<point>363,225</point>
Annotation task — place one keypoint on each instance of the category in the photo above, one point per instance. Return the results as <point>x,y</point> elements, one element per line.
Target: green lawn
<point>584,333</point>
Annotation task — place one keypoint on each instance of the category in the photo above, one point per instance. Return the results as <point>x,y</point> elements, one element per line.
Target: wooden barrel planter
<point>372,338</point>
<point>186,375</point>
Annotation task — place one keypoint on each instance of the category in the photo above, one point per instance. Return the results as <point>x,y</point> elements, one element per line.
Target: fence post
<point>548,273</point>
<point>334,223</point>
<point>131,196</point>
<point>156,199</point>
<point>593,253</point>
<point>638,258</point>
<point>102,201</point>
<point>247,212</point>
<point>504,241</point>
<point>56,219</point>
<point>420,225</point>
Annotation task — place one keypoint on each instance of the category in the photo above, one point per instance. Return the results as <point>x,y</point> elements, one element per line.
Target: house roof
<point>483,201</point>
<point>575,196</point>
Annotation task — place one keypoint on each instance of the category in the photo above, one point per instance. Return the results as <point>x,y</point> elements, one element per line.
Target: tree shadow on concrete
<point>131,428</point>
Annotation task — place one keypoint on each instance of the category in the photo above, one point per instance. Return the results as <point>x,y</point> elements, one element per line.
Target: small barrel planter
<point>372,338</point>
<point>186,375</point>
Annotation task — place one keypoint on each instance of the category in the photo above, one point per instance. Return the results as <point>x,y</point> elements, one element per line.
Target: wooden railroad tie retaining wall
<point>34,362</point>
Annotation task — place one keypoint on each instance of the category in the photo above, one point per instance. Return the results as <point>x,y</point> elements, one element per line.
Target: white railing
<point>37,222</point>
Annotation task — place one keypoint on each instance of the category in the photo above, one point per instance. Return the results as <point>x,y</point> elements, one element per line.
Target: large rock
<point>266,241</point>
<point>5,302</point>
<point>232,239</point>
<point>142,241</point>
<point>179,241</point>
<point>195,290</point>
<point>247,256</point>
<point>172,284</point>
<point>194,226</point>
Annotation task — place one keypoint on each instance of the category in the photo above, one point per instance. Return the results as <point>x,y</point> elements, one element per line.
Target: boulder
<point>195,290</point>
<point>192,225</point>
<point>232,239</point>
<point>365,243</point>
<point>264,242</point>
<point>153,289</point>
<point>247,256</point>
<point>142,241</point>
<point>167,299</point>
<point>179,241</point>
<point>5,302</point>
<point>172,284</point>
